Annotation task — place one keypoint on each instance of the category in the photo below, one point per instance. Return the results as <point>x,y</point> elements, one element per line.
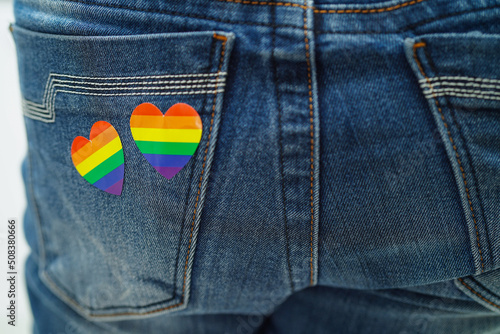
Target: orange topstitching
<point>415,47</point>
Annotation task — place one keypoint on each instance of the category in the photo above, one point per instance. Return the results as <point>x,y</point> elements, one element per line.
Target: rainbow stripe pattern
<point>166,141</point>
<point>100,159</point>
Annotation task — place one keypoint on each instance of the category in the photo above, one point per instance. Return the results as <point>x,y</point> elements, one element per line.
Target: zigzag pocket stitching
<point>459,86</point>
<point>176,84</point>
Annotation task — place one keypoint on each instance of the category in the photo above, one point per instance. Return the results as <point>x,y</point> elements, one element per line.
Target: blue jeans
<point>347,179</point>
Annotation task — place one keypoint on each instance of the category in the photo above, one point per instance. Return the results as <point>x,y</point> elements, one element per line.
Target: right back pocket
<point>460,77</point>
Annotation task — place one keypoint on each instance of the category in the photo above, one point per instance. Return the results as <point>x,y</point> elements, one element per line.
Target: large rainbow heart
<point>166,141</point>
<point>100,159</point>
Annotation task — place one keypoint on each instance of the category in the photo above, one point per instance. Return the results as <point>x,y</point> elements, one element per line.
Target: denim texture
<point>347,179</point>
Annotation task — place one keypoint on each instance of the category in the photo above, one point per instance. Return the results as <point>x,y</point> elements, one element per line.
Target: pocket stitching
<point>458,81</point>
<point>45,112</point>
<point>45,276</point>
<point>183,296</point>
<point>457,156</point>
<point>477,293</point>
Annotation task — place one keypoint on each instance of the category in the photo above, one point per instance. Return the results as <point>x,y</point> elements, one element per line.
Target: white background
<point>12,197</point>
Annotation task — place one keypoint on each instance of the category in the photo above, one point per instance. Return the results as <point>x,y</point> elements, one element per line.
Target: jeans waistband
<point>330,16</point>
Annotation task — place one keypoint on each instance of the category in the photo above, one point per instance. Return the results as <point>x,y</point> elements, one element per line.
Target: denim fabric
<point>347,179</point>
<point>67,206</point>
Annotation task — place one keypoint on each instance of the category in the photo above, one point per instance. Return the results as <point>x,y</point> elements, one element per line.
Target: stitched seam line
<point>160,76</point>
<point>45,112</point>
<point>409,27</point>
<point>367,11</point>
<point>116,314</point>
<point>461,87</point>
<point>192,225</point>
<point>49,115</point>
<point>51,81</point>
<point>265,3</point>
<point>460,90</point>
<point>224,40</point>
<point>460,78</point>
<point>139,83</point>
<point>191,177</point>
<point>168,87</point>
<point>280,125</point>
<point>311,120</point>
<point>464,93</point>
<point>479,96</point>
<point>261,24</point>
<point>326,11</point>
<point>180,14</point>
<point>451,88</point>
<point>478,294</point>
<point>464,179</point>
<point>146,93</point>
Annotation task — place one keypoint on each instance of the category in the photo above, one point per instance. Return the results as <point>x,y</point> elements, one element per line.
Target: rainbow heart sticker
<point>100,159</point>
<point>166,141</point>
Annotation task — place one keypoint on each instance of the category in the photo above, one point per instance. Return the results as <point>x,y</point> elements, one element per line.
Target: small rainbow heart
<point>166,141</point>
<point>100,159</point>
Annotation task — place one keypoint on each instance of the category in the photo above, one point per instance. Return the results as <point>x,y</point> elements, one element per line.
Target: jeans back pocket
<point>113,256</point>
<point>459,75</point>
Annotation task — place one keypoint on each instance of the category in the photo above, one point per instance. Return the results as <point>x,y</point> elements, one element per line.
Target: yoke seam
<point>457,156</point>
<point>326,11</point>
<point>311,121</point>
<point>477,293</point>
<point>262,24</point>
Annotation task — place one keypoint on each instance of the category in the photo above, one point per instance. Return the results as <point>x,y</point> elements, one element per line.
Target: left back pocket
<point>111,256</point>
